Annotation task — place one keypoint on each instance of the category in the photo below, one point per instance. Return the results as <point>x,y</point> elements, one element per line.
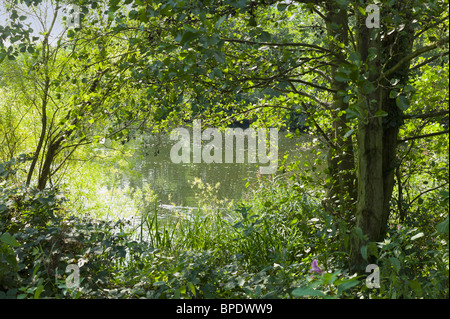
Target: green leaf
<point>188,37</point>
<point>252,22</point>
<point>393,94</point>
<point>10,240</point>
<point>3,55</point>
<point>364,252</point>
<point>219,56</point>
<point>38,291</point>
<point>442,227</point>
<point>444,195</point>
<point>352,114</point>
<point>381,113</point>
<point>373,53</point>
<point>191,287</point>
<point>409,89</point>
<point>347,98</point>
<point>416,236</point>
<point>239,4</point>
<point>342,3</point>
<point>303,292</point>
<point>220,21</point>
<point>355,58</point>
<point>282,6</point>
<point>347,284</point>
<point>341,78</point>
<point>367,87</point>
<point>349,132</point>
<point>159,283</point>
<point>402,102</point>
<point>415,285</point>
<point>395,262</point>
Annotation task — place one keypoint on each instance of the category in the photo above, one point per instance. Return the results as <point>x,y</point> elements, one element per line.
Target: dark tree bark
<point>377,136</point>
<point>341,163</point>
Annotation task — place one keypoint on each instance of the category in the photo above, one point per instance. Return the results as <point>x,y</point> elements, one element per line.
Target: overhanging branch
<point>275,44</point>
<point>422,136</point>
<point>429,60</point>
<point>427,191</point>
<point>425,115</point>
<point>414,54</point>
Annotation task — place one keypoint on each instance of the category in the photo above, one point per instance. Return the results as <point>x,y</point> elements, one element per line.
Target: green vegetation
<point>76,101</point>
<point>262,249</point>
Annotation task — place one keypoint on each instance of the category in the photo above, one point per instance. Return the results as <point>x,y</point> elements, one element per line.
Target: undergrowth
<point>263,247</point>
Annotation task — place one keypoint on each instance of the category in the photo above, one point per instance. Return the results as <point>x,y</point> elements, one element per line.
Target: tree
<point>71,87</point>
<point>201,58</point>
<point>227,47</point>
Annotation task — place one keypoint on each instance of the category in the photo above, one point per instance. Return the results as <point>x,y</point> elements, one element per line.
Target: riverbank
<point>277,244</point>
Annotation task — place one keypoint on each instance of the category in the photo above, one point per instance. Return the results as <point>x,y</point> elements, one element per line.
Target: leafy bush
<point>414,264</point>
<point>48,240</point>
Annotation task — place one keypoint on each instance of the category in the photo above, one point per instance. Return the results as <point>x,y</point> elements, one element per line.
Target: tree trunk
<point>341,194</point>
<point>37,152</point>
<point>45,173</point>
<point>377,136</point>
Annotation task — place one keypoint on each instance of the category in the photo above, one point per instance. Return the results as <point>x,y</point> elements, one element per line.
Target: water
<point>192,185</point>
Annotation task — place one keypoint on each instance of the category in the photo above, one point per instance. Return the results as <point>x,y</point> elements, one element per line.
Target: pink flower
<point>399,226</point>
<point>315,267</point>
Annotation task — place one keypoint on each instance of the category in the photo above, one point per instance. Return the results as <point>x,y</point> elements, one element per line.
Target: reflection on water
<point>187,184</point>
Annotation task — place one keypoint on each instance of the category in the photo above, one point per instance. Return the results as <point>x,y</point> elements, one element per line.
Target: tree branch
<point>424,116</point>
<point>431,26</point>
<point>309,84</point>
<point>422,136</point>
<point>427,191</point>
<point>274,44</point>
<point>429,60</point>
<point>309,96</point>
<point>413,55</point>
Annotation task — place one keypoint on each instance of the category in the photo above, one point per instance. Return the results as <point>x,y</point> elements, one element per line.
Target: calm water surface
<point>150,165</point>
